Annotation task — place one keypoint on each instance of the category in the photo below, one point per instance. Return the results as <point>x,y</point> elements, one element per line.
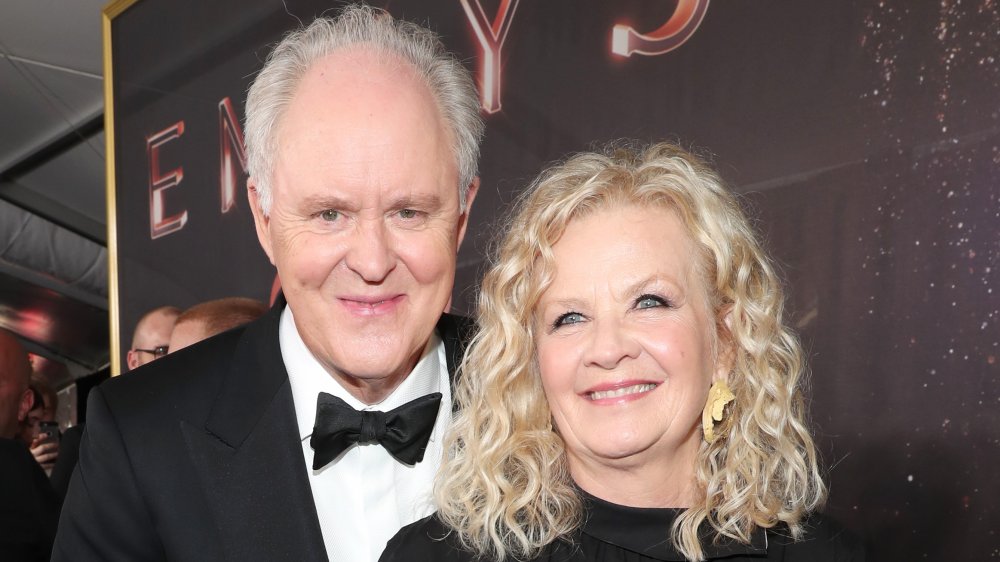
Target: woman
<point>633,392</point>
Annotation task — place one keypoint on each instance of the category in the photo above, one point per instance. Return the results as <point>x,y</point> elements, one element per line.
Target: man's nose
<point>371,255</point>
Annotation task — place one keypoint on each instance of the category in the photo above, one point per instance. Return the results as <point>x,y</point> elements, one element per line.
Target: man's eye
<point>407,214</point>
<point>650,301</point>
<point>568,318</point>
<point>330,215</point>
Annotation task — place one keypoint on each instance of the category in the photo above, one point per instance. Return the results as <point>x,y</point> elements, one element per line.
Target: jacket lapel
<point>249,456</point>
<point>455,332</point>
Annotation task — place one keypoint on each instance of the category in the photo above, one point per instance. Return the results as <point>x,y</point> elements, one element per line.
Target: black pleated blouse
<point>615,533</point>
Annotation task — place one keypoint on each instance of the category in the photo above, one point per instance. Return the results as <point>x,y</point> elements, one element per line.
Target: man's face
<point>15,397</point>
<point>153,333</point>
<point>14,403</point>
<point>365,223</point>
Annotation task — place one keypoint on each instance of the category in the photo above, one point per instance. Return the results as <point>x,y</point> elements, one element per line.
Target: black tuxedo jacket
<point>197,456</point>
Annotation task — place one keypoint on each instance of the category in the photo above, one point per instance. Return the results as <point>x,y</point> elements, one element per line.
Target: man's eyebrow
<point>323,202</point>
<point>418,200</point>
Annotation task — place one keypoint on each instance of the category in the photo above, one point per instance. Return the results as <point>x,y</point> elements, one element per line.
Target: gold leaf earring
<point>718,396</point>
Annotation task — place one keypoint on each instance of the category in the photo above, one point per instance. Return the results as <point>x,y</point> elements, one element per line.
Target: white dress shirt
<point>364,496</point>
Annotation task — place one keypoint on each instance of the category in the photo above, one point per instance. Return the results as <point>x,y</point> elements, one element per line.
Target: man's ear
<point>25,405</point>
<point>261,221</point>
<point>132,359</point>
<point>463,220</point>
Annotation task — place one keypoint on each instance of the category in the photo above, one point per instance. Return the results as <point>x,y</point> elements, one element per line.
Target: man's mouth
<point>375,305</point>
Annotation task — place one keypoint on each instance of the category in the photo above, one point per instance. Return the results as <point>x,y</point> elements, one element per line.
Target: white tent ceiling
<point>53,277</point>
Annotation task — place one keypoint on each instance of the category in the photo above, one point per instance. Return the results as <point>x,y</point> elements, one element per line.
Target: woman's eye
<point>330,215</point>
<point>568,318</point>
<point>650,301</point>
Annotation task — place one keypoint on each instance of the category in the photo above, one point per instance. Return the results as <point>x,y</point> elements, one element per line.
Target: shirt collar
<point>308,378</point>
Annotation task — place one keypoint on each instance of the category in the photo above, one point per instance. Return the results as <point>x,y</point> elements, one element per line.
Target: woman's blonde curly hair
<point>505,487</point>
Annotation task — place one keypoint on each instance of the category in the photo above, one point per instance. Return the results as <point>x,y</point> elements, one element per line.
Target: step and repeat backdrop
<point>865,136</point>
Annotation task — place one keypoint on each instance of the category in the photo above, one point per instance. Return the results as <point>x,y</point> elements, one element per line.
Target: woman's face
<point>625,341</point>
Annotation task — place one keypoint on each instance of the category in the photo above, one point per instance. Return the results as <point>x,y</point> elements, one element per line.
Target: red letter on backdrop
<point>159,183</point>
<point>687,16</point>
<point>491,37</point>
<point>230,144</point>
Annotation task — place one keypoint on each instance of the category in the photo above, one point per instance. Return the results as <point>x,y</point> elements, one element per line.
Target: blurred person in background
<point>16,397</point>
<point>39,429</point>
<point>151,339</point>
<point>29,509</point>
<point>69,443</point>
<point>211,318</point>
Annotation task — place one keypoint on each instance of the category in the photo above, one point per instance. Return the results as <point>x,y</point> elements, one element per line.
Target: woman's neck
<point>638,482</point>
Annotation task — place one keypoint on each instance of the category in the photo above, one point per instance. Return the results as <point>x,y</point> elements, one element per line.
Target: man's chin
<point>369,367</point>
<point>370,385</point>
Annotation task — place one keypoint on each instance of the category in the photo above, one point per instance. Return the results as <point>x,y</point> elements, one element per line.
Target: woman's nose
<point>610,344</point>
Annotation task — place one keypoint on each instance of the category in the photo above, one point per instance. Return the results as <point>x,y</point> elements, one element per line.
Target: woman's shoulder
<point>426,539</point>
<point>824,539</point>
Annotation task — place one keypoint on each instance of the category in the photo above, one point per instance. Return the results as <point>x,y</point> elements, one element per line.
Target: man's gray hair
<point>449,81</point>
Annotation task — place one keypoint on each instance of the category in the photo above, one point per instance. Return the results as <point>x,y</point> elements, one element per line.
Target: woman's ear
<point>725,347</point>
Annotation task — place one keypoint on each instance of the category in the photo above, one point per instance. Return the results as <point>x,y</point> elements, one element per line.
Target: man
<point>151,337</point>
<point>15,392</point>
<point>211,318</point>
<point>362,138</point>
<point>28,506</point>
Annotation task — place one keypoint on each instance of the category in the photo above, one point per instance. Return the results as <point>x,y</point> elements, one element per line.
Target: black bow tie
<point>403,431</point>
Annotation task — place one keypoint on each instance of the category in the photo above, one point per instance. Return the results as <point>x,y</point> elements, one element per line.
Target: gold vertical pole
<point>110,11</point>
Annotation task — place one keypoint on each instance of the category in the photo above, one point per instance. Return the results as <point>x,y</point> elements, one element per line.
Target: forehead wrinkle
<point>567,303</point>
<point>624,290</point>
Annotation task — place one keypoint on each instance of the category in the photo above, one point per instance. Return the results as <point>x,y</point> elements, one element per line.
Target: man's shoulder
<point>14,454</point>
<point>456,328</point>
<point>185,379</point>
<point>21,475</point>
<point>455,323</point>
